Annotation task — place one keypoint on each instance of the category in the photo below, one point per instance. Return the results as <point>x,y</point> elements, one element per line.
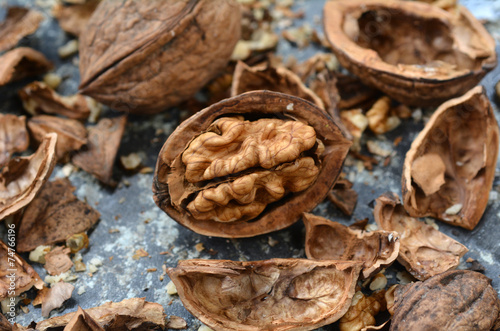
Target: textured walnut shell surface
<point>414,52</point>
<point>143,57</point>
<point>327,240</point>
<point>454,300</point>
<point>22,178</point>
<point>172,189</point>
<point>424,251</point>
<point>451,163</point>
<point>276,294</point>
<point>22,62</point>
<point>13,136</point>
<point>19,23</point>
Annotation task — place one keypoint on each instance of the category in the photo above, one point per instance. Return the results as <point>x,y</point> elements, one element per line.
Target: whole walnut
<point>145,56</point>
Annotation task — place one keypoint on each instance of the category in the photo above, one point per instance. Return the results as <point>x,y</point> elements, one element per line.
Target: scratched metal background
<point>142,225</point>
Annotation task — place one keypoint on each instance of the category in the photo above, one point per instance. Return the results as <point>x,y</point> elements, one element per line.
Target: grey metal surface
<point>131,209</point>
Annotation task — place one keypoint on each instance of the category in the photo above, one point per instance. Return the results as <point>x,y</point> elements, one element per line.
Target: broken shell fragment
<point>173,50</point>
<point>25,276</point>
<point>22,178</point>
<point>414,52</point>
<point>71,134</point>
<point>277,294</point>
<point>244,166</point>
<point>19,23</point>
<point>449,170</point>
<point>74,18</point>
<point>424,251</point>
<point>22,62</point>
<point>453,300</point>
<point>13,136</point>
<point>327,240</point>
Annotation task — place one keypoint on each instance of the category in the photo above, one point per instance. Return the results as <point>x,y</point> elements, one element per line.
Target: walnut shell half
<point>276,294</point>
<point>145,56</point>
<point>327,240</point>
<point>249,165</point>
<point>453,300</point>
<point>449,170</point>
<point>414,52</point>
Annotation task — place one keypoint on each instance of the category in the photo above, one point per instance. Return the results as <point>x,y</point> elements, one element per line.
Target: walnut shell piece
<point>277,294</point>
<point>327,240</point>
<point>453,300</point>
<point>22,178</point>
<point>248,165</point>
<point>11,264</point>
<point>449,170</point>
<point>13,136</point>
<point>414,52</point>
<point>22,62</point>
<point>145,57</point>
<point>19,23</point>
<point>71,134</point>
<point>424,251</point>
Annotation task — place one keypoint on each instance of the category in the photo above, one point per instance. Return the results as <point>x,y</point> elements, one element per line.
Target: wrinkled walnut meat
<point>25,275</point>
<point>244,166</point>
<point>129,314</point>
<point>363,311</point>
<point>277,294</point>
<point>424,251</point>
<point>13,136</point>
<point>414,52</point>
<point>267,77</point>
<point>53,216</point>
<point>454,300</point>
<point>143,57</point>
<point>327,240</point>
<point>449,170</point>
<point>19,23</point>
<point>23,177</point>
<point>71,134</point>
<point>22,62</point>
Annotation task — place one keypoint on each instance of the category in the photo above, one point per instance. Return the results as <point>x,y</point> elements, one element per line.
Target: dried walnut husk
<point>248,165</point>
<point>98,157</point>
<point>143,57</point>
<point>277,294</point>
<point>53,216</point>
<point>20,63</point>
<point>424,251</point>
<point>414,52</point>
<point>38,98</point>
<point>22,178</point>
<point>71,134</point>
<point>13,136</point>
<point>19,23</point>
<point>266,77</point>
<point>454,300</point>
<point>327,240</point>
<point>129,314</point>
<point>449,170</point>
<point>12,264</point>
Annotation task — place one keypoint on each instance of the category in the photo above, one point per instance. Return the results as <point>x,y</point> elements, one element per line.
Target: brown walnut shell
<point>454,300</point>
<point>143,57</point>
<point>249,165</point>
<point>13,136</point>
<point>327,240</point>
<point>22,178</point>
<point>414,52</point>
<point>19,23</point>
<point>22,62</point>
<point>424,251</point>
<point>449,170</point>
<point>276,294</point>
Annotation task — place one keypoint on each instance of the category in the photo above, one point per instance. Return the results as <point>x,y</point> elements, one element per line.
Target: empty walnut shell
<point>454,300</point>
<point>414,52</point>
<point>424,251</point>
<point>327,240</point>
<point>277,294</point>
<point>248,165</point>
<point>143,57</point>
<point>22,178</point>
<point>449,170</point>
